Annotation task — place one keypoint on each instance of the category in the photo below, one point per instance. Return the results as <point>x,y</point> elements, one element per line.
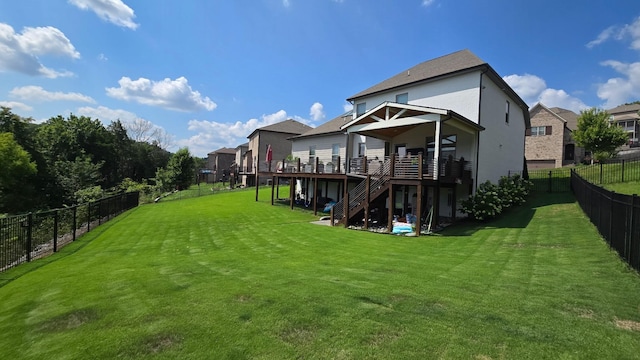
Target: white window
<point>361,109</point>
<point>506,116</point>
<point>538,130</point>
<point>335,153</point>
<point>402,98</point>
<point>312,154</point>
<point>362,149</point>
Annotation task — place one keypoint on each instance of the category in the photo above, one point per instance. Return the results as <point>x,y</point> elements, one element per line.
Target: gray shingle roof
<point>330,127</point>
<point>624,109</point>
<point>568,115</point>
<point>289,126</point>
<point>444,65</point>
<point>223,150</point>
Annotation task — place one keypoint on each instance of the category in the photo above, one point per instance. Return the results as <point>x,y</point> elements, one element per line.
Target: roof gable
<point>428,70</point>
<point>568,117</point>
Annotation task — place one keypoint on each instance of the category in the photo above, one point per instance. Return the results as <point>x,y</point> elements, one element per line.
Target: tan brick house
<point>549,142</point>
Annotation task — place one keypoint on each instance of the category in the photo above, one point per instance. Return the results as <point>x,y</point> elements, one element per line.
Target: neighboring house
<point>277,136</point>
<point>239,165</point>
<point>627,117</point>
<point>327,143</point>
<point>426,138</point>
<point>219,163</point>
<point>549,142</point>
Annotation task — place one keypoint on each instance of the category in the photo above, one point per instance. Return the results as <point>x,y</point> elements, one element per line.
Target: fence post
<point>634,202</point>
<point>622,170</point>
<point>29,235</point>
<point>601,173</point>
<point>550,174</point>
<point>55,231</point>
<point>75,222</point>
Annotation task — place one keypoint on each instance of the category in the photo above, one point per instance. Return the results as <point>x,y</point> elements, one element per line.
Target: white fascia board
<point>355,121</point>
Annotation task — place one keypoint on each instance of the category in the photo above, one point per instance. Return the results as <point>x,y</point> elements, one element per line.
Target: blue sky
<point>209,72</point>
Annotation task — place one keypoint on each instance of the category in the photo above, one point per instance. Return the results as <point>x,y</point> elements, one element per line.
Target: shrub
<point>485,204</point>
<point>490,199</point>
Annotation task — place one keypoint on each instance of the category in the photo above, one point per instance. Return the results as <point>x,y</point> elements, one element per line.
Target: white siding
<point>324,148</point>
<point>501,146</point>
<point>459,93</point>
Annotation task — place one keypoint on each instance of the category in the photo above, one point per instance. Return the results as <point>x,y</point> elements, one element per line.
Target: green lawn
<point>225,277</point>
<point>629,188</point>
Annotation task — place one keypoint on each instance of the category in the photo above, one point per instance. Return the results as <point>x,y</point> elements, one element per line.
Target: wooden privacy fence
<point>617,217</point>
<point>34,235</point>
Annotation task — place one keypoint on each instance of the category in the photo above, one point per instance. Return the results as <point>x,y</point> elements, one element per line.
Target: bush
<point>485,204</point>
<point>490,199</point>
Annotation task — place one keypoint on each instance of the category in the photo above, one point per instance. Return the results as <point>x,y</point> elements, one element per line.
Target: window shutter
<point>548,130</point>
<point>527,132</point>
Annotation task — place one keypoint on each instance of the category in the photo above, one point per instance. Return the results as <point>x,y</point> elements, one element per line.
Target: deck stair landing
<point>359,198</point>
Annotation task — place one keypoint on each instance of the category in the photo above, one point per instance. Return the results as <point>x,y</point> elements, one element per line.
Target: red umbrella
<point>269,153</point>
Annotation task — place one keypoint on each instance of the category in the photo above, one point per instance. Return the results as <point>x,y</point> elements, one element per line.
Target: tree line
<point>65,161</point>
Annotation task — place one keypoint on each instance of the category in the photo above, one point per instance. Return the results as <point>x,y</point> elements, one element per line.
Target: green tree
<point>596,134</point>
<point>179,173</point>
<point>16,175</point>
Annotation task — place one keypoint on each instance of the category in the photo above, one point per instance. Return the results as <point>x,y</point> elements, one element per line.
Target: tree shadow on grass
<point>518,217</point>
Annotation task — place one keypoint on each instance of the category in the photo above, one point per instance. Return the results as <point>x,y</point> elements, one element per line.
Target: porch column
<point>273,188</point>
<point>315,195</point>
<point>292,191</point>
<point>391,205</point>
<point>418,209</point>
<point>436,152</point>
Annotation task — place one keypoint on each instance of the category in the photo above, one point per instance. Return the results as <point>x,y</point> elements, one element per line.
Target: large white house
<point>420,141</point>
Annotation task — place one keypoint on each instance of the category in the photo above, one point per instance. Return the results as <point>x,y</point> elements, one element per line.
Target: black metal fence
<point>557,180</point>
<point>617,217</point>
<point>611,171</point>
<point>35,235</point>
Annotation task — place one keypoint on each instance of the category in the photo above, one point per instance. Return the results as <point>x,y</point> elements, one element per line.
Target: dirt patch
<point>243,298</point>
<point>628,325</point>
<point>160,342</point>
<point>297,335</point>
<point>69,321</point>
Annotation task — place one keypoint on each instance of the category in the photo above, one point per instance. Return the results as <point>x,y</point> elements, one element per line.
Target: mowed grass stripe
<point>224,276</point>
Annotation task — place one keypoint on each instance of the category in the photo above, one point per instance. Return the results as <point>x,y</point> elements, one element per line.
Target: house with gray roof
<point>277,136</point>
<point>627,117</point>
<point>219,162</point>
<point>417,143</point>
<point>549,142</point>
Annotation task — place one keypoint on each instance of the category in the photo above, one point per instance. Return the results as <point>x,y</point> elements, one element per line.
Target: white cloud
<point>113,11</point>
<point>605,35</point>
<point>16,106</point>
<point>347,106</point>
<point>37,93</point>
<point>617,91</point>
<point>213,135</point>
<point>46,41</point>
<point>286,3</point>
<point>533,89</point>
<point>627,31</point>
<point>426,3</point>
<point>20,52</point>
<point>527,86</point>
<point>103,57</point>
<point>169,94</point>
<point>317,112</point>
